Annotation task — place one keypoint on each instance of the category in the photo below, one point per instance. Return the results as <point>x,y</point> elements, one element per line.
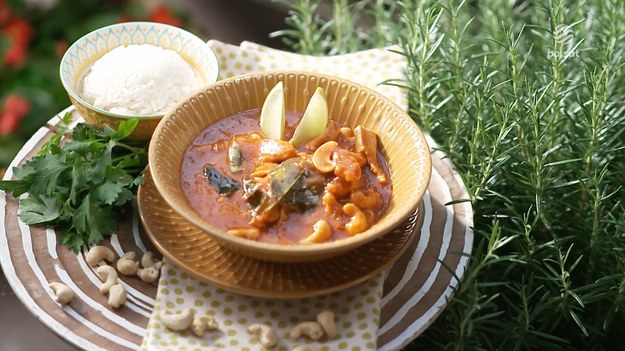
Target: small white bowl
<point>87,50</point>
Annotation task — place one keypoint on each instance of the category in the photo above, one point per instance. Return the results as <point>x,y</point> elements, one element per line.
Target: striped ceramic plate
<point>416,288</point>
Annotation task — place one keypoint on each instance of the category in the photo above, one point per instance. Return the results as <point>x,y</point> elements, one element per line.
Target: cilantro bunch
<point>79,184</point>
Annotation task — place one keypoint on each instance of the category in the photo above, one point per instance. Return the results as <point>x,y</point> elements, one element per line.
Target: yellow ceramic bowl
<point>88,49</point>
<point>402,143</point>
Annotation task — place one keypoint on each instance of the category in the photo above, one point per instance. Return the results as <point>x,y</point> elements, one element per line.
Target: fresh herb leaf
<point>224,185</point>
<point>264,197</point>
<point>305,193</point>
<point>39,209</point>
<point>51,170</point>
<point>125,129</point>
<point>94,219</point>
<point>108,192</point>
<point>291,184</point>
<point>78,184</point>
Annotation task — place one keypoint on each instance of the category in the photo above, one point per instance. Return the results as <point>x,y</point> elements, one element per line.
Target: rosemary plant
<point>528,100</point>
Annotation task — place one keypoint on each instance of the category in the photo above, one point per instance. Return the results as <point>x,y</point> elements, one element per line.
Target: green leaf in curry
<point>305,194</point>
<point>291,184</point>
<point>222,184</point>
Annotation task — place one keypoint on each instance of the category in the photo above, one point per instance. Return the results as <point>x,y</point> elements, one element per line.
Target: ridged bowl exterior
<point>87,50</point>
<point>401,140</point>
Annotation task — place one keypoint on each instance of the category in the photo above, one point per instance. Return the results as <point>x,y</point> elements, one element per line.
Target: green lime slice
<point>272,115</point>
<point>314,121</point>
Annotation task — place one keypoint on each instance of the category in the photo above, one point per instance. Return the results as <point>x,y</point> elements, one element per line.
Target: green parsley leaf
<point>125,128</point>
<point>94,220</point>
<point>36,210</point>
<point>50,172</point>
<point>108,192</point>
<point>79,184</point>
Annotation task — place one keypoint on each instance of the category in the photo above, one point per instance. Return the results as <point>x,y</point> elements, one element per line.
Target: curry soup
<point>266,190</point>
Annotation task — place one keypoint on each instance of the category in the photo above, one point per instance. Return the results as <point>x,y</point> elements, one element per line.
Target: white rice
<point>139,80</point>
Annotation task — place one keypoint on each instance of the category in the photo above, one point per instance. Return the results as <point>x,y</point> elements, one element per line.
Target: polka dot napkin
<point>357,309</point>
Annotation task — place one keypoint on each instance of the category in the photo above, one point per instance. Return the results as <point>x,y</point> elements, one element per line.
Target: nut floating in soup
<point>334,186</point>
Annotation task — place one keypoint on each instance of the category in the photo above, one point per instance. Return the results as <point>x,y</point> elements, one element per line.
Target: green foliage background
<point>527,99</point>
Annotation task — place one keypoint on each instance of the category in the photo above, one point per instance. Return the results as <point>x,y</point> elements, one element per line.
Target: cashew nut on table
<point>62,293</point>
<point>96,254</point>
<point>148,260</point>
<point>265,334</point>
<point>309,329</point>
<point>150,274</point>
<point>109,275</point>
<point>203,323</point>
<point>325,319</point>
<point>127,265</point>
<point>178,322</point>
<point>117,296</point>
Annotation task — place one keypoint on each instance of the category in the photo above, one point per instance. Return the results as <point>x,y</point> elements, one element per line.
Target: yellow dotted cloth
<point>357,309</point>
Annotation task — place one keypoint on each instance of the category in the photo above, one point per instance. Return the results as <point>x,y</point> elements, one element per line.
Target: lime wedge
<point>314,121</point>
<point>272,119</point>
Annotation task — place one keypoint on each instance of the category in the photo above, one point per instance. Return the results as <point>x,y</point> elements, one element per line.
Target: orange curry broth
<point>210,147</point>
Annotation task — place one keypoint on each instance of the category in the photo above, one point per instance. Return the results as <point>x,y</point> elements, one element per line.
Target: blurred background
<point>34,34</point>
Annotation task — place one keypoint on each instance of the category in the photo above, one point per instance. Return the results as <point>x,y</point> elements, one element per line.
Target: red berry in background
<point>5,13</point>
<point>60,47</point>
<point>161,14</point>
<point>19,32</point>
<point>14,109</point>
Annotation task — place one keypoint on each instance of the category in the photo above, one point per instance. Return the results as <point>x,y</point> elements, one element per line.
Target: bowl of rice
<point>135,69</point>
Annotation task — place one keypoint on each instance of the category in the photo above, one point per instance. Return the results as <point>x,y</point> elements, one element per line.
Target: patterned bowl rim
<point>403,210</point>
<point>212,76</point>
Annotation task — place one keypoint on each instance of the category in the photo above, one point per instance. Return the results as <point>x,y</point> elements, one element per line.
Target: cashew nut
<point>148,260</point>
<point>202,323</point>
<point>368,199</point>
<point>264,333</point>
<point>150,274</point>
<point>244,232</point>
<point>127,265</point>
<point>358,222</point>
<point>322,158</point>
<point>321,232</point>
<point>180,321</point>
<point>346,132</point>
<point>99,253</point>
<point>117,296</point>
<point>325,319</point>
<point>109,275</point>
<point>305,348</point>
<point>310,329</point>
<point>62,293</point>
<point>330,204</point>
